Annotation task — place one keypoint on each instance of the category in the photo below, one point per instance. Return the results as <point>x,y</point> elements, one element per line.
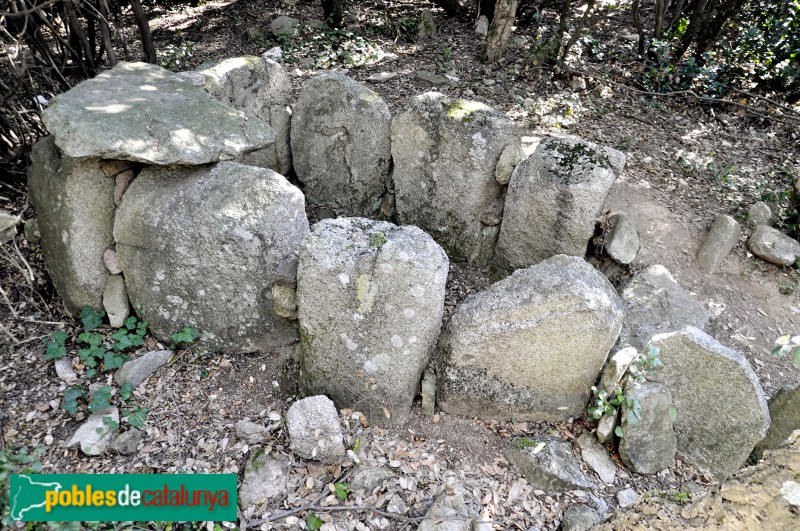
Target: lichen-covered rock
<point>579,518</point>
<point>74,201</point>
<point>721,409</point>
<point>784,412</point>
<point>94,435</point>
<point>370,302</point>
<point>547,463</point>
<point>648,443</point>
<point>449,512</point>
<point>445,155</point>
<point>265,480</point>
<point>142,112</point>
<point>764,497</point>
<point>773,246</point>
<point>656,304</point>
<point>260,87</point>
<point>759,213</point>
<point>201,247</point>
<point>340,144</point>
<point>314,429</point>
<point>720,241</point>
<point>529,347</point>
<point>554,197</point>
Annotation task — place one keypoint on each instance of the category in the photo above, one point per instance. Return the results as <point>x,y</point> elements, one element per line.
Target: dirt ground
<point>687,163</point>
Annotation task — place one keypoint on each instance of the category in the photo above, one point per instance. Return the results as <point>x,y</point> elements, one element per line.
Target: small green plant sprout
<point>604,404</point>
<point>55,347</point>
<point>788,345</point>
<point>342,490</point>
<point>91,318</point>
<point>313,522</point>
<point>136,416</point>
<point>70,399</point>
<point>187,335</point>
<point>378,240</point>
<point>645,363</point>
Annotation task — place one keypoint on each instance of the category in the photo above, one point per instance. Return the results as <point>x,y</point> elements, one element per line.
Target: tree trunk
<point>333,12</point>
<point>500,31</point>
<point>144,31</point>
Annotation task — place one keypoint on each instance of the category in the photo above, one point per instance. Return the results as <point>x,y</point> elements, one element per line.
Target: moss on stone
<point>463,110</point>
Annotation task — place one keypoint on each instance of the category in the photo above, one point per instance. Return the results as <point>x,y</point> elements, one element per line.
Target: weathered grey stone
<point>449,512</point>
<point>435,80</point>
<point>773,246</point>
<point>426,26</point>
<point>429,393</point>
<point>396,504</point>
<point>759,214</point>
<point>265,480</point>
<point>554,197</point>
<point>655,304</point>
<point>547,463</point>
<point>530,346</point>
<point>250,432</point>
<point>135,372</point>
<point>314,429</point>
<point>127,442</point>
<point>65,371</point>
<point>597,458</point>
<point>622,241</point>
<point>273,54</point>
<point>720,241</point>
<point>259,87</point>
<point>115,301</point>
<point>784,412</point>
<point>445,156</point>
<point>121,182</point>
<point>32,233</point>
<point>482,26</point>
<point>255,34</point>
<point>75,205</point>
<point>8,226</point>
<point>579,518</point>
<point>370,303</point>
<point>606,427</point>
<point>340,143</point>
<point>509,158</point>
<point>627,498</point>
<point>722,412</point>
<point>144,113</point>
<point>284,26</point>
<point>616,368</point>
<point>111,262</point>
<point>284,301</point>
<point>112,168</point>
<point>381,77</point>
<point>366,480</point>
<point>200,247</point>
<point>648,443</point>
<point>94,435</point>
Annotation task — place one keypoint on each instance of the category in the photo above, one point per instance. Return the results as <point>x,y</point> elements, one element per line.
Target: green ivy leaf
<point>125,391</point>
<point>91,319</point>
<point>130,322</point>
<point>54,351</point>
<point>342,490</point>
<point>187,335</point>
<point>90,373</point>
<point>313,523</point>
<point>92,339</point>
<point>70,399</point>
<point>101,399</point>
<point>136,417</point>
<point>618,431</point>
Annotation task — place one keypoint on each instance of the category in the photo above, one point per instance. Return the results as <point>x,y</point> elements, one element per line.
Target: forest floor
<point>687,163</point>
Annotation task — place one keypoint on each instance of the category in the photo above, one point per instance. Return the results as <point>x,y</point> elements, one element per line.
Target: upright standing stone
<point>340,144</point>
<point>784,412</point>
<point>648,443</point>
<point>260,87</point>
<point>622,242</point>
<point>144,113</point>
<point>74,201</point>
<point>554,197</point>
<point>720,241</point>
<point>722,412</point>
<point>445,156</point>
<point>202,246</point>
<point>656,304</point>
<point>529,347</point>
<point>370,302</point>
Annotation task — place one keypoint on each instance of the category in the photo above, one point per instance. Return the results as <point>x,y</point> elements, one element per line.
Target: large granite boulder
<point>142,112</point>
<point>74,201</point>
<point>773,246</point>
<point>202,246</point>
<point>446,154</point>
<point>721,410</point>
<point>370,302</point>
<point>340,144</point>
<point>529,347</point>
<point>656,304</point>
<point>261,88</point>
<point>554,197</point>
<point>784,412</point>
